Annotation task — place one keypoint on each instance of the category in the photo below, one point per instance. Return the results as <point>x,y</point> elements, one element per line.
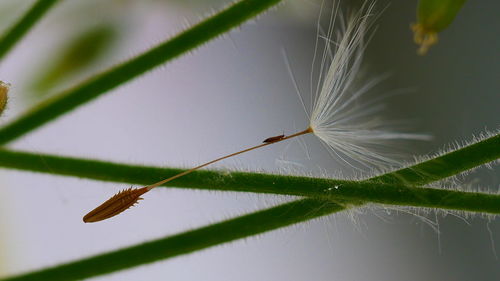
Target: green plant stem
<point>18,30</point>
<point>396,188</point>
<point>247,225</point>
<point>187,242</point>
<point>448,164</point>
<point>97,85</point>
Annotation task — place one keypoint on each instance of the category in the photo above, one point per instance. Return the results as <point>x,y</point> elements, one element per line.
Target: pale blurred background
<point>229,94</point>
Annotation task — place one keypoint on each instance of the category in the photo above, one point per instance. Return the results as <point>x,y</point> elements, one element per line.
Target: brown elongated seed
<point>274,139</point>
<point>115,205</point>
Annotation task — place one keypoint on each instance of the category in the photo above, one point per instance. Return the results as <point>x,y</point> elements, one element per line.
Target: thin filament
<point>149,187</point>
<point>127,198</point>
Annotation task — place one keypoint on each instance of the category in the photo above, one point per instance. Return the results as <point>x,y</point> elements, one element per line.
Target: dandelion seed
<point>334,119</point>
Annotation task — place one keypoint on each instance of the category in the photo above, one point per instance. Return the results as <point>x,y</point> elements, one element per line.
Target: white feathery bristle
<point>350,130</point>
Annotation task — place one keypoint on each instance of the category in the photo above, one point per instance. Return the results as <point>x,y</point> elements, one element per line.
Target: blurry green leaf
<point>17,31</point>
<point>9,12</point>
<point>79,54</point>
<point>433,16</point>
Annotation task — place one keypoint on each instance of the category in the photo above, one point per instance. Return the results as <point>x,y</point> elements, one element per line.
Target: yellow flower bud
<point>4,89</point>
<point>433,16</point>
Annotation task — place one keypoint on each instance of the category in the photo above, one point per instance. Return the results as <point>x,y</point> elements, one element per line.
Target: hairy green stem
<point>266,220</point>
<point>20,28</point>
<point>396,188</point>
<point>186,41</point>
<point>448,164</point>
<point>187,242</point>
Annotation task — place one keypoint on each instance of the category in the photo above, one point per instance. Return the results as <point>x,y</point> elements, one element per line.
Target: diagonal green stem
<point>449,164</point>
<point>396,188</point>
<point>251,224</point>
<point>20,28</point>
<point>187,242</point>
<point>97,85</point>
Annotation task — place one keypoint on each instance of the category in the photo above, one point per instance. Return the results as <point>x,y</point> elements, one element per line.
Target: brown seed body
<point>274,139</point>
<point>115,205</point>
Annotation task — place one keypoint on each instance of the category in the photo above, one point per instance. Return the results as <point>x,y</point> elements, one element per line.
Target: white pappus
<point>348,128</point>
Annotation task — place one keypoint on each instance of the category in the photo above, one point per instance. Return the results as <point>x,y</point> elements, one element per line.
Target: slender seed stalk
<point>306,131</point>
<point>127,198</point>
